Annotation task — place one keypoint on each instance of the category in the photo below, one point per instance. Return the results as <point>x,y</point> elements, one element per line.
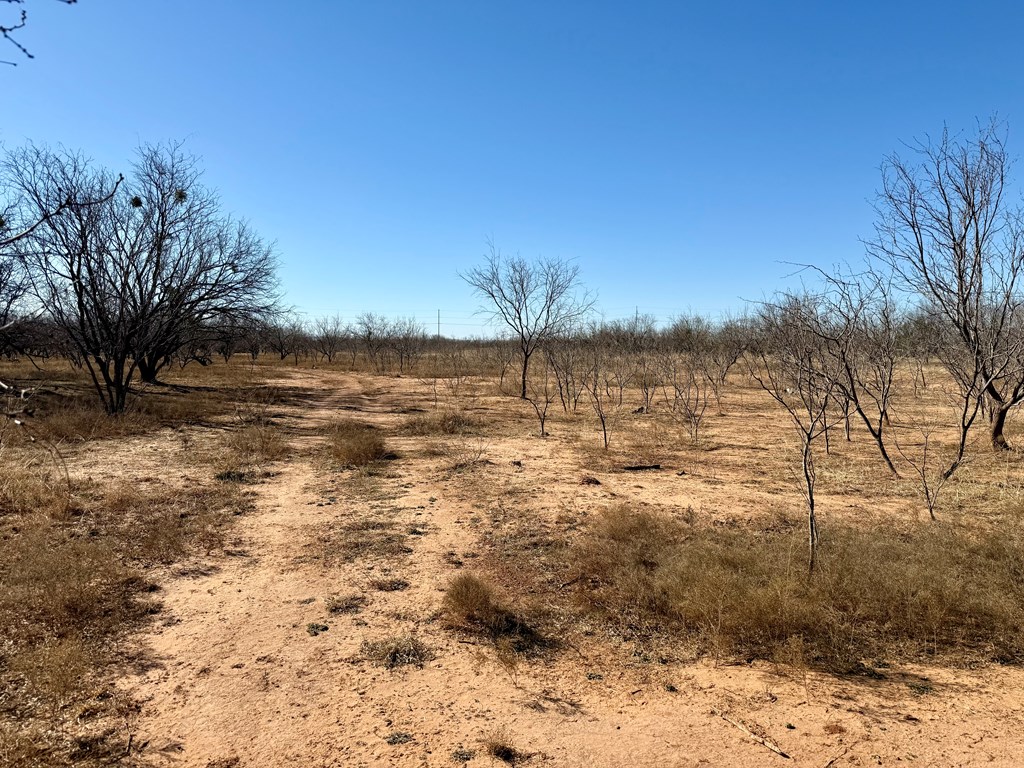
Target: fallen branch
<point>641,467</point>
<point>759,739</point>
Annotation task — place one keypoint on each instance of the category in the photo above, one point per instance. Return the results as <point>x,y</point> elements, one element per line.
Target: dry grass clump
<point>460,453</point>
<point>499,745</point>
<point>255,440</point>
<point>472,604</point>
<point>156,526</point>
<point>352,444</point>
<point>389,585</point>
<point>255,445</point>
<point>31,484</point>
<point>345,603</point>
<point>446,422</point>
<point>877,595</point>
<point>397,651</point>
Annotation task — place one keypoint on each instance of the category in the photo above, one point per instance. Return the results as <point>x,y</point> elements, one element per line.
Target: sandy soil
<point>239,680</point>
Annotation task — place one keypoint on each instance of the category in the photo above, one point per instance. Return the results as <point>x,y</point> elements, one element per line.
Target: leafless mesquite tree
<point>536,300</point>
<point>948,233</point>
<point>328,336</point>
<point>566,355</point>
<point>132,280</point>
<point>858,326</point>
<point>596,379</point>
<point>687,389</point>
<point>789,364</point>
<point>407,339</point>
<point>713,349</point>
<point>971,381</point>
<point>541,393</point>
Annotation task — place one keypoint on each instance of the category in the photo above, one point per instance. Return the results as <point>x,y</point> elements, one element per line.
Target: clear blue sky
<point>679,151</point>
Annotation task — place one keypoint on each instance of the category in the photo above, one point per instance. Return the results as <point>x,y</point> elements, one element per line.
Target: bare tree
<point>286,337</point>
<point>711,349</point>
<point>858,327</point>
<point>949,234</point>
<point>540,394</point>
<point>136,278</point>
<point>687,389</point>
<point>790,364</point>
<point>567,356</point>
<point>373,331</point>
<point>328,336</point>
<point>596,380</point>
<point>536,300</point>
<point>407,339</point>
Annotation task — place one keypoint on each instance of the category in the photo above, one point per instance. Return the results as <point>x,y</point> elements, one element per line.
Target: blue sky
<point>680,152</point>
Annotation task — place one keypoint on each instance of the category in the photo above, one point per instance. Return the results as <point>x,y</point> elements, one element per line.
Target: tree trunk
<point>148,370</point>
<point>526,369</point>
<point>998,422</point>
<point>812,522</point>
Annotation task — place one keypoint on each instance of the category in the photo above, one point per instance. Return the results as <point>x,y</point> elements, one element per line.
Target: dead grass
<point>500,746</point>
<point>345,603</point>
<point>389,585</point>
<point>877,596</point>
<point>255,439</point>
<point>471,604</point>
<point>460,453</point>
<point>359,538</point>
<point>397,651</point>
<point>71,590</point>
<point>353,444</point>
<point>255,445</point>
<point>31,482</point>
<point>76,416</point>
<point>450,421</point>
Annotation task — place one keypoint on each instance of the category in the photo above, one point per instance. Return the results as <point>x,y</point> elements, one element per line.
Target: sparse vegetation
<point>389,585</point>
<point>881,595</point>
<point>360,538</point>
<point>69,595</point>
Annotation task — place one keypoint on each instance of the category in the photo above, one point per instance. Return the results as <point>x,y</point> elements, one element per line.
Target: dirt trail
<point>239,679</point>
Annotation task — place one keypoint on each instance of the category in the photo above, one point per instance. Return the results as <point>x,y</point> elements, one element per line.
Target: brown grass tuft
<point>471,604</point>
<point>345,603</point>
<point>445,422</point>
<point>357,539</point>
<point>352,444</point>
<point>397,651</point>
<point>499,745</point>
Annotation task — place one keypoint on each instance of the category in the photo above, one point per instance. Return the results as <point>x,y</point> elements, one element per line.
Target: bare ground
<point>244,673</point>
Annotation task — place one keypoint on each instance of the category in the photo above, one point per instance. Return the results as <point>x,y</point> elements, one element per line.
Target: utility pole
<point>439,325</point>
